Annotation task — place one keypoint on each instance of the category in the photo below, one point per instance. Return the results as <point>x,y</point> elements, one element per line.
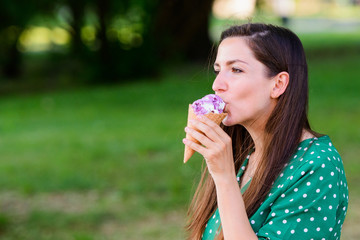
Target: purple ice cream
<point>209,104</point>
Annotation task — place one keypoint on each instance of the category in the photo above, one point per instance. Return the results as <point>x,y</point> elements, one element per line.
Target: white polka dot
<point>283,195</point>
<point>311,172</point>
<point>318,229</point>
<point>311,162</point>
<point>304,195</point>
<point>278,232</point>
<point>319,208</point>
<point>312,219</point>
<point>284,221</point>
<point>303,172</point>
<point>318,190</point>
<point>330,186</point>
<point>312,153</point>
<point>295,190</point>
<point>321,178</point>
<point>332,173</point>
<point>330,229</point>
<point>305,230</point>
<point>300,207</point>
<point>273,214</point>
<point>210,231</point>
<point>308,183</point>
<point>323,165</point>
<point>325,218</point>
<point>252,221</point>
<point>271,222</point>
<point>330,207</point>
<point>262,212</point>
<point>298,220</point>
<point>292,231</point>
<point>286,210</point>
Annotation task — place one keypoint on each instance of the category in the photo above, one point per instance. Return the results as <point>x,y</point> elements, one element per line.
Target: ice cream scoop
<point>209,104</point>
<point>212,106</point>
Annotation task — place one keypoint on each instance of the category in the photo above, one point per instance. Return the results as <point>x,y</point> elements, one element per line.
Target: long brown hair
<point>279,50</point>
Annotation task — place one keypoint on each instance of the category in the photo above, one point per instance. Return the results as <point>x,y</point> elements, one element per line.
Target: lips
<point>226,108</point>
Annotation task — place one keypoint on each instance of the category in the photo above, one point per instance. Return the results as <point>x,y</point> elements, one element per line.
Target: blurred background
<point>93,102</point>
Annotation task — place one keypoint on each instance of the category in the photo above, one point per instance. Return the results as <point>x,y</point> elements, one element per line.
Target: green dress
<point>308,200</point>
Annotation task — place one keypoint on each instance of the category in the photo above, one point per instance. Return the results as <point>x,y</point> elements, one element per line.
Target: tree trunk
<point>77,9</point>
<point>13,61</point>
<point>182,26</point>
<point>106,59</point>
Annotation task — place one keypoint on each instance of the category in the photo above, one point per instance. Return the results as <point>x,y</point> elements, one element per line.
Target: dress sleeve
<point>312,203</point>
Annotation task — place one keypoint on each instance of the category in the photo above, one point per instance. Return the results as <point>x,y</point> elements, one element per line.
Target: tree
<point>182,27</point>
<point>133,37</point>
<point>14,17</point>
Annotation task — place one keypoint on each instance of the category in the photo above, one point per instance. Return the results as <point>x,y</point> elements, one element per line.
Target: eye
<point>216,72</point>
<point>236,70</point>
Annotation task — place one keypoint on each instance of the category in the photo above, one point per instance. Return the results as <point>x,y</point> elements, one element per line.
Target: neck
<point>258,137</point>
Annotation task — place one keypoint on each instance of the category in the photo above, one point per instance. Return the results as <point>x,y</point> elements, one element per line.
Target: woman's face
<point>243,84</point>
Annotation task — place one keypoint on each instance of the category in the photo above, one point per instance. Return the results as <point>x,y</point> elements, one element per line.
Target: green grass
<point>106,162</point>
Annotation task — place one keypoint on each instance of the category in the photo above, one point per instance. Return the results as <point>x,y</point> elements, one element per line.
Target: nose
<point>219,84</point>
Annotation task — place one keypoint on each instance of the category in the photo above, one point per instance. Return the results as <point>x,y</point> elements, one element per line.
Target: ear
<point>280,83</point>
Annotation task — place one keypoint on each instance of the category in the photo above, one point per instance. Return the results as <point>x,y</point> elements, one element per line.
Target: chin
<point>227,122</point>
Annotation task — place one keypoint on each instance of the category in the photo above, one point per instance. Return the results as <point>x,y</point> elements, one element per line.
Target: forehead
<point>234,48</point>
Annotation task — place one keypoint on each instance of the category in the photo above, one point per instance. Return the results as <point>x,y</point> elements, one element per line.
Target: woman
<point>267,174</point>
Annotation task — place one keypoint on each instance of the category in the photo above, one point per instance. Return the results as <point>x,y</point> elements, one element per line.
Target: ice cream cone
<point>215,117</point>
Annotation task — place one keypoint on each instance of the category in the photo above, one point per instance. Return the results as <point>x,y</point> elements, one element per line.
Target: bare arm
<point>217,150</point>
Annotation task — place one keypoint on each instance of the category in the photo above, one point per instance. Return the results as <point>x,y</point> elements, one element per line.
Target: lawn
<point>106,162</point>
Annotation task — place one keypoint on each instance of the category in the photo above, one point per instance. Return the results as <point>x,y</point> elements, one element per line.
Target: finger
<point>203,139</point>
<point>195,146</point>
<point>209,131</point>
<point>212,124</point>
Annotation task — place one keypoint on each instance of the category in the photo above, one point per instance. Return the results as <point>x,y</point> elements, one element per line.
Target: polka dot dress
<point>308,200</point>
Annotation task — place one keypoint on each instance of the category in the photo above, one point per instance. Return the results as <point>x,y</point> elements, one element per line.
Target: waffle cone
<point>215,117</point>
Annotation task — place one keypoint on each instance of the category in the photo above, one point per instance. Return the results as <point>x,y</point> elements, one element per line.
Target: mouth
<point>225,108</point>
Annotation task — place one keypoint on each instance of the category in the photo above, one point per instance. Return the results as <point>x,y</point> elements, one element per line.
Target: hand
<point>215,147</point>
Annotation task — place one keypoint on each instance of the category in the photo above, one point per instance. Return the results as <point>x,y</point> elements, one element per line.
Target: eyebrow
<point>231,62</point>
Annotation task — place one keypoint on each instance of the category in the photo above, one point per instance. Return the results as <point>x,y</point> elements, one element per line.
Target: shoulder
<point>315,154</point>
<point>315,162</point>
